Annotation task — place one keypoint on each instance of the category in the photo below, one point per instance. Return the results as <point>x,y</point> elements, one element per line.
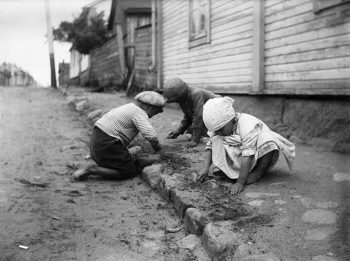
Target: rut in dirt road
<point>42,142</point>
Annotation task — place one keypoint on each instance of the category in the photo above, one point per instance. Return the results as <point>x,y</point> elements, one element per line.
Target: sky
<point>23,32</point>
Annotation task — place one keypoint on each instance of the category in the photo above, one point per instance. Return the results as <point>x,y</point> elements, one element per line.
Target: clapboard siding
<point>224,64</point>
<point>304,52</point>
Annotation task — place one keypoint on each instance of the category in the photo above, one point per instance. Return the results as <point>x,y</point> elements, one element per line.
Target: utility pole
<point>50,39</point>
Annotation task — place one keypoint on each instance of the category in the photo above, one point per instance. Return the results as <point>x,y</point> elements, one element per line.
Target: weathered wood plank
<point>288,13</point>
<point>232,31</point>
<point>169,6</point>
<point>215,57</point>
<point>309,36</point>
<point>306,26</point>
<point>212,50</point>
<point>333,63</point>
<point>212,78</point>
<point>315,87</point>
<point>211,62</point>
<point>217,71</point>
<point>232,9</point>
<point>326,53</point>
<point>341,73</point>
<point>339,40</point>
<point>282,6</point>
<point>298,18</point>
<point>313,84</point>
<point>269,3</point>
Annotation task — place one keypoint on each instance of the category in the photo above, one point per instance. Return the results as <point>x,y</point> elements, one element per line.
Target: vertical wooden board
<point>258,46</point>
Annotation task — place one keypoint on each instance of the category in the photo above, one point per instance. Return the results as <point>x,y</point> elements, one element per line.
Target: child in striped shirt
<point>114,131</point>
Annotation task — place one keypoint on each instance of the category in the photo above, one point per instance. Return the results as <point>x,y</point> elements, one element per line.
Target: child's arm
<point>206,165</point>
<point>243,175</point>
<point>155,144</point>
<point>181,129</point>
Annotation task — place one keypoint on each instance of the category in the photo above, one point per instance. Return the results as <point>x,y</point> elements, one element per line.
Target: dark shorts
<point>109,152</point>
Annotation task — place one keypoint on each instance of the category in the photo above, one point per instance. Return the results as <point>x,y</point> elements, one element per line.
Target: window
<point>199,22</point>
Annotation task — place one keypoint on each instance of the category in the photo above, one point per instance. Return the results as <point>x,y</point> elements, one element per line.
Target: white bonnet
<point>217,112</point>
<point>150,97</point>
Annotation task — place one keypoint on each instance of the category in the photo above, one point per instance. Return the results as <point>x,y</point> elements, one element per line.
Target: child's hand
<point>237,188</point>
<point>202,175</point>
<point>155,145</point>
<point>191,144</point>
<point>173,135</point>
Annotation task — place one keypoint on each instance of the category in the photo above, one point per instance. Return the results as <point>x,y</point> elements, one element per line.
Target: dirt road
<point>41,140</point>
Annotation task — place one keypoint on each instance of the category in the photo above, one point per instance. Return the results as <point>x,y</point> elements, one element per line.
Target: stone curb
<point>218,240</point>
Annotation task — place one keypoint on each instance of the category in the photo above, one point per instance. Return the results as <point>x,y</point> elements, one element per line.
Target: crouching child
<point>240,145</point>
<point>114,131</point>
<point>191,101</point>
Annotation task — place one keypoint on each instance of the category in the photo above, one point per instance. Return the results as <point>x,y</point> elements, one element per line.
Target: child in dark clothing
<point>191,101</point>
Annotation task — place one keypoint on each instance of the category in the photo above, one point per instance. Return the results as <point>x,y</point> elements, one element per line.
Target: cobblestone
<point>319,233</point>
<point>218,239</point>
<point>151,174</point>
<point>319,216</point>
<point>263,257</point>
<point>340,176</point>
<point>323,258</point>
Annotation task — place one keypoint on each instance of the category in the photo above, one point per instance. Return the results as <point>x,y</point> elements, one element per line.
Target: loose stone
<point>256,203</point>
<point>323,258</point>
<point>280,202</point>
<point>327,204</point>
<point>318,233</point>
<point>341,176</point>
<point>306,202</point>
<point>151,174</point>
<point>264,257</point>
<point>260,194</point>
<point>218,238</point>
<point>190,242</point>
<point>82,105</point>
<point>319,216</point>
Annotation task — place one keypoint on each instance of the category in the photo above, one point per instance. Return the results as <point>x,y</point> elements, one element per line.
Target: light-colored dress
<point>250,137</point>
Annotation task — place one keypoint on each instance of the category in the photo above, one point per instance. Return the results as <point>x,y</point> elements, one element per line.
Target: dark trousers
<point>109,152</point>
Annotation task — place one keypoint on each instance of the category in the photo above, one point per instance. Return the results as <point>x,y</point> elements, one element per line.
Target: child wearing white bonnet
<point>240,145</point>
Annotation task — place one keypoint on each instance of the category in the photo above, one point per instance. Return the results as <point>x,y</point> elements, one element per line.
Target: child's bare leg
<point>83,171</point>
<point>106,173</point>
<point>260,168</point>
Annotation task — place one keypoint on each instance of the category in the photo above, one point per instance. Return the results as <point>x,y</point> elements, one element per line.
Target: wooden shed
<point>256,46</point>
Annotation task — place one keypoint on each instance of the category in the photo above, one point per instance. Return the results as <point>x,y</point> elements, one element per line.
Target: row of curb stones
<point>220,242</point>
<point>219,237</point>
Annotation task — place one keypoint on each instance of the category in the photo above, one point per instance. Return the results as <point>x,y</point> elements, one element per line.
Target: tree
<point>85,33</point>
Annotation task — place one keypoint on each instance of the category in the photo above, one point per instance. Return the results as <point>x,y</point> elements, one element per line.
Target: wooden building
<point>126,16</point>
<point>257,46</point>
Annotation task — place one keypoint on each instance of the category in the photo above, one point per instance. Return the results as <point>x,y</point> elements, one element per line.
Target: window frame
<point>199,39</point>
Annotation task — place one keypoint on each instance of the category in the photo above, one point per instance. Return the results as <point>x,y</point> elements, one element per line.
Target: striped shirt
<point>125,122</point>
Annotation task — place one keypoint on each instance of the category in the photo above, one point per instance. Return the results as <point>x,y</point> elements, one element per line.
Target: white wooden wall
<point>304,53</point>
<point>224,64</point>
